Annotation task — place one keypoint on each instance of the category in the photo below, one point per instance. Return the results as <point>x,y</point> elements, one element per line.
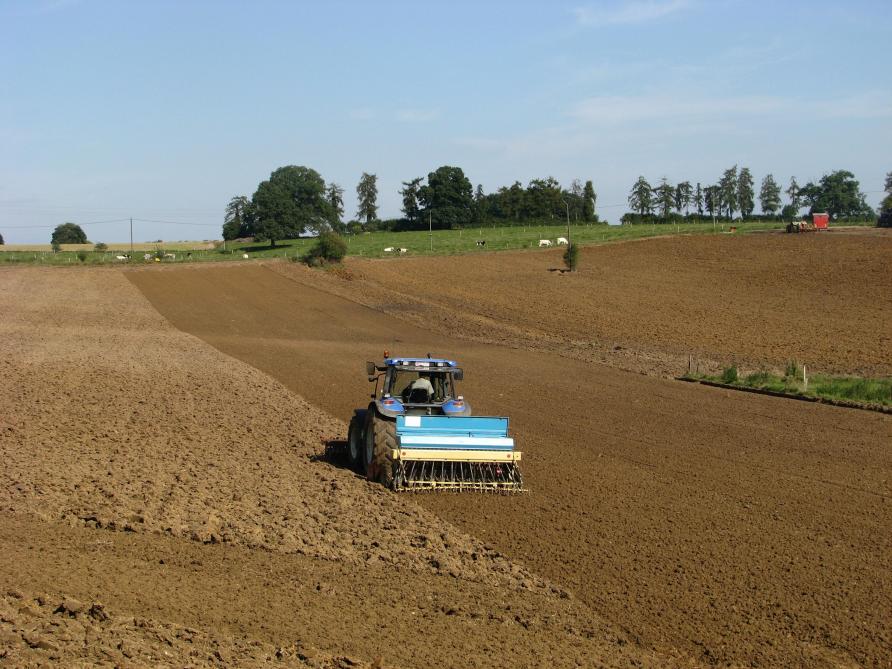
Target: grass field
<point>372,245</point>
<point>848,388</point>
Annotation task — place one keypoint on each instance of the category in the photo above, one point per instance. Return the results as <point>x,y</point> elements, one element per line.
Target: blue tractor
<point>418,433</point>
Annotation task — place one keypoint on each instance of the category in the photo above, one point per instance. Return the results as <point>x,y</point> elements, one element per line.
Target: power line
<point>150,220</point>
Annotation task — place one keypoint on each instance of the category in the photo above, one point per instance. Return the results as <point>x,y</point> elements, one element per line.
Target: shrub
<point>82,255</point>
<point>101,247</point>
<point>791,370</point>
<point>55,246</point>
<point>571,257</point>
<point>329,247</point>
<point>730,375</point>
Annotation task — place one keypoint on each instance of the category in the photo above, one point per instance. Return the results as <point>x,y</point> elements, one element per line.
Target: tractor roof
<point>420,362</point>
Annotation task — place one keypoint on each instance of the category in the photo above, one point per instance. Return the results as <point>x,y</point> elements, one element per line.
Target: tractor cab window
<point>412,387</point>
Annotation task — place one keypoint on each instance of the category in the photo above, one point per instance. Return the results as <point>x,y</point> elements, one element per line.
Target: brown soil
<point>757,300</point>
<point>181,490</point>
<point>733,528</point>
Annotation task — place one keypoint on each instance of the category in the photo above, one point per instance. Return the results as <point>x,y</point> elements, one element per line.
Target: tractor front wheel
<point>380,442</point>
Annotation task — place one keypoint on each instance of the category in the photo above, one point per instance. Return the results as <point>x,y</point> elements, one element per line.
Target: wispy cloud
<point>628,11</point>
<point>417,115</point>
<point>362,114</point>
<point>629,109</point>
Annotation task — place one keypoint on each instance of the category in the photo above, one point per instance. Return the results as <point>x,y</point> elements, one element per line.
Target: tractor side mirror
<point>458,375</point>
<point>370,368</point>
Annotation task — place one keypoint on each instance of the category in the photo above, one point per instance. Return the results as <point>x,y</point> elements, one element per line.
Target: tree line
<point>295,200</point>
<point>837,193</point>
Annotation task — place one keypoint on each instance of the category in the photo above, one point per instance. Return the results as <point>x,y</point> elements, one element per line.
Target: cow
<point>124,258</point>
<point>481,243</point>
<point>389,249</point>
<point>562,241</point>
<point>544,242</point>
<point>401,250</point>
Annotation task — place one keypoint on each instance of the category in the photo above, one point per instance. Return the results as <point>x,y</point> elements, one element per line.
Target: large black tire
<point>355,445</point>
<point>380,441</point>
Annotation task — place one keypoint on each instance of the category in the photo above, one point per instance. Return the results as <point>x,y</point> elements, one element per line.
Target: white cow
<point>245,256</point>
<point>170,256</point>
<point>544,242</point>
<point>146,256</point>
<point>401,250</point>
<point>562,241</point>
<point>122,258</point>
<point>389,249</point>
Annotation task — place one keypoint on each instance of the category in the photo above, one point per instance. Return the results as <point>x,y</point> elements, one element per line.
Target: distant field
<point>372,245</point>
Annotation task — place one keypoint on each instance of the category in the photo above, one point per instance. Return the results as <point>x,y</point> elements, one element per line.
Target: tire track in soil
<point>696,518</point>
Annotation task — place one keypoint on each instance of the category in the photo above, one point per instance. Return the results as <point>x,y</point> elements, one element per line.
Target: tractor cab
<point>417,386</point>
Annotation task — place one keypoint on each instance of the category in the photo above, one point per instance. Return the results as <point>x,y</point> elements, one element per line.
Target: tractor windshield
<point>420,387</point>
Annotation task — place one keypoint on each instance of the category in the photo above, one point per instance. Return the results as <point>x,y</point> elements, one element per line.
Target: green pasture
<point>417,243</point>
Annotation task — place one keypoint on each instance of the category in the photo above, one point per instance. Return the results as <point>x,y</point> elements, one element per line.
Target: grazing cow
<point>481,242</point>
<point>146,256</point>
<point>401,250</point>
<point>170,256</point>
<point>245,256</point>
<point>389,249</point>
<point>544,242</point>
<point>122,258</point>
<point>562,241</point>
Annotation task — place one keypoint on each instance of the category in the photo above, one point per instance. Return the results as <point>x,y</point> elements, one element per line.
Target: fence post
<point>804,380</point>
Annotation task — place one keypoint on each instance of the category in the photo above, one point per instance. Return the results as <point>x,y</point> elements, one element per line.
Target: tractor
<point>418,433</point>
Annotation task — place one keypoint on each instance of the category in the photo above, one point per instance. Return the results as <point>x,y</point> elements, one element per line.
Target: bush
<point>730,375</point>
<point>101,247</point>
<point>571,257</point>
<point>329,247</point>
<point>791,371</point>
<point>82,255</point>
<point>55,246</point>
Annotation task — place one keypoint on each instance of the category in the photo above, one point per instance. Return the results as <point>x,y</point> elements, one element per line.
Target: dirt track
<point>733,528</point>
<point>178,488</point>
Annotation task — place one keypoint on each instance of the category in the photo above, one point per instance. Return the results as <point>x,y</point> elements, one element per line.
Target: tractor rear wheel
<point>380,442</point>
<point>355,447</point>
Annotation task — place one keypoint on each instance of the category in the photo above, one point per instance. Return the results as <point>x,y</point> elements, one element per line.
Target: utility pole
<point>567,205</point>
<point>131,236</point>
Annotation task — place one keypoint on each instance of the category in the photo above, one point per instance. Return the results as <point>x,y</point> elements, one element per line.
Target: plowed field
<point>737,528</point>
<point>162,500</point>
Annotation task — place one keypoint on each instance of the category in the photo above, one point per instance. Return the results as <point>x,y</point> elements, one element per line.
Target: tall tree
<point>292,201</point>
<point>745,195</point>
<point>367,194</point>
<point>235,219</point>
<point>1,240</point>
<point>641,197</point>
<point>335,196</point>
<point>68,233</point>
<point>447,198</point>
<point>728,191</point>
<point>665,197</point>
<point>481,205</point>
<point>838,194</point>
<point>683,194</point>
<point>698,199</point>
<point>544,198</point>
<point>769,196</point>
<point>409,191</point>
<point>795,197</point>
<point>885,218</point>
<point>712,200</point>
<point>589,199</point>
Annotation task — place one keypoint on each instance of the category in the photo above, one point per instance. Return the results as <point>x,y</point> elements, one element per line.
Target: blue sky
<point>164,110</point>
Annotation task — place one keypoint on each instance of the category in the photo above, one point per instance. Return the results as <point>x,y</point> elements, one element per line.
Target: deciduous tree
<point>838,194</point>
<point>769,196</point>
<point>367,194</point>
<point>795,197</point>
<point>235,218</point>
<point>665,197</point>
<point>68,233</point>
<point>683,193</point>
<point>641,197</point>
<point>728,191</point>
<point>447,198</point>
<point>290,202</point>
<point>745,195</point>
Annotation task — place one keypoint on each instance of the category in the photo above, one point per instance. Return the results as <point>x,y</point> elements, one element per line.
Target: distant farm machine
<point>818,222</point>
<point>418,433</point>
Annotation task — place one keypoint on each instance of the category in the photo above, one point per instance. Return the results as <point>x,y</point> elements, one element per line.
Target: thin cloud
<point>417,115</point>
<point>628,12</point>
<point>629,109</point>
